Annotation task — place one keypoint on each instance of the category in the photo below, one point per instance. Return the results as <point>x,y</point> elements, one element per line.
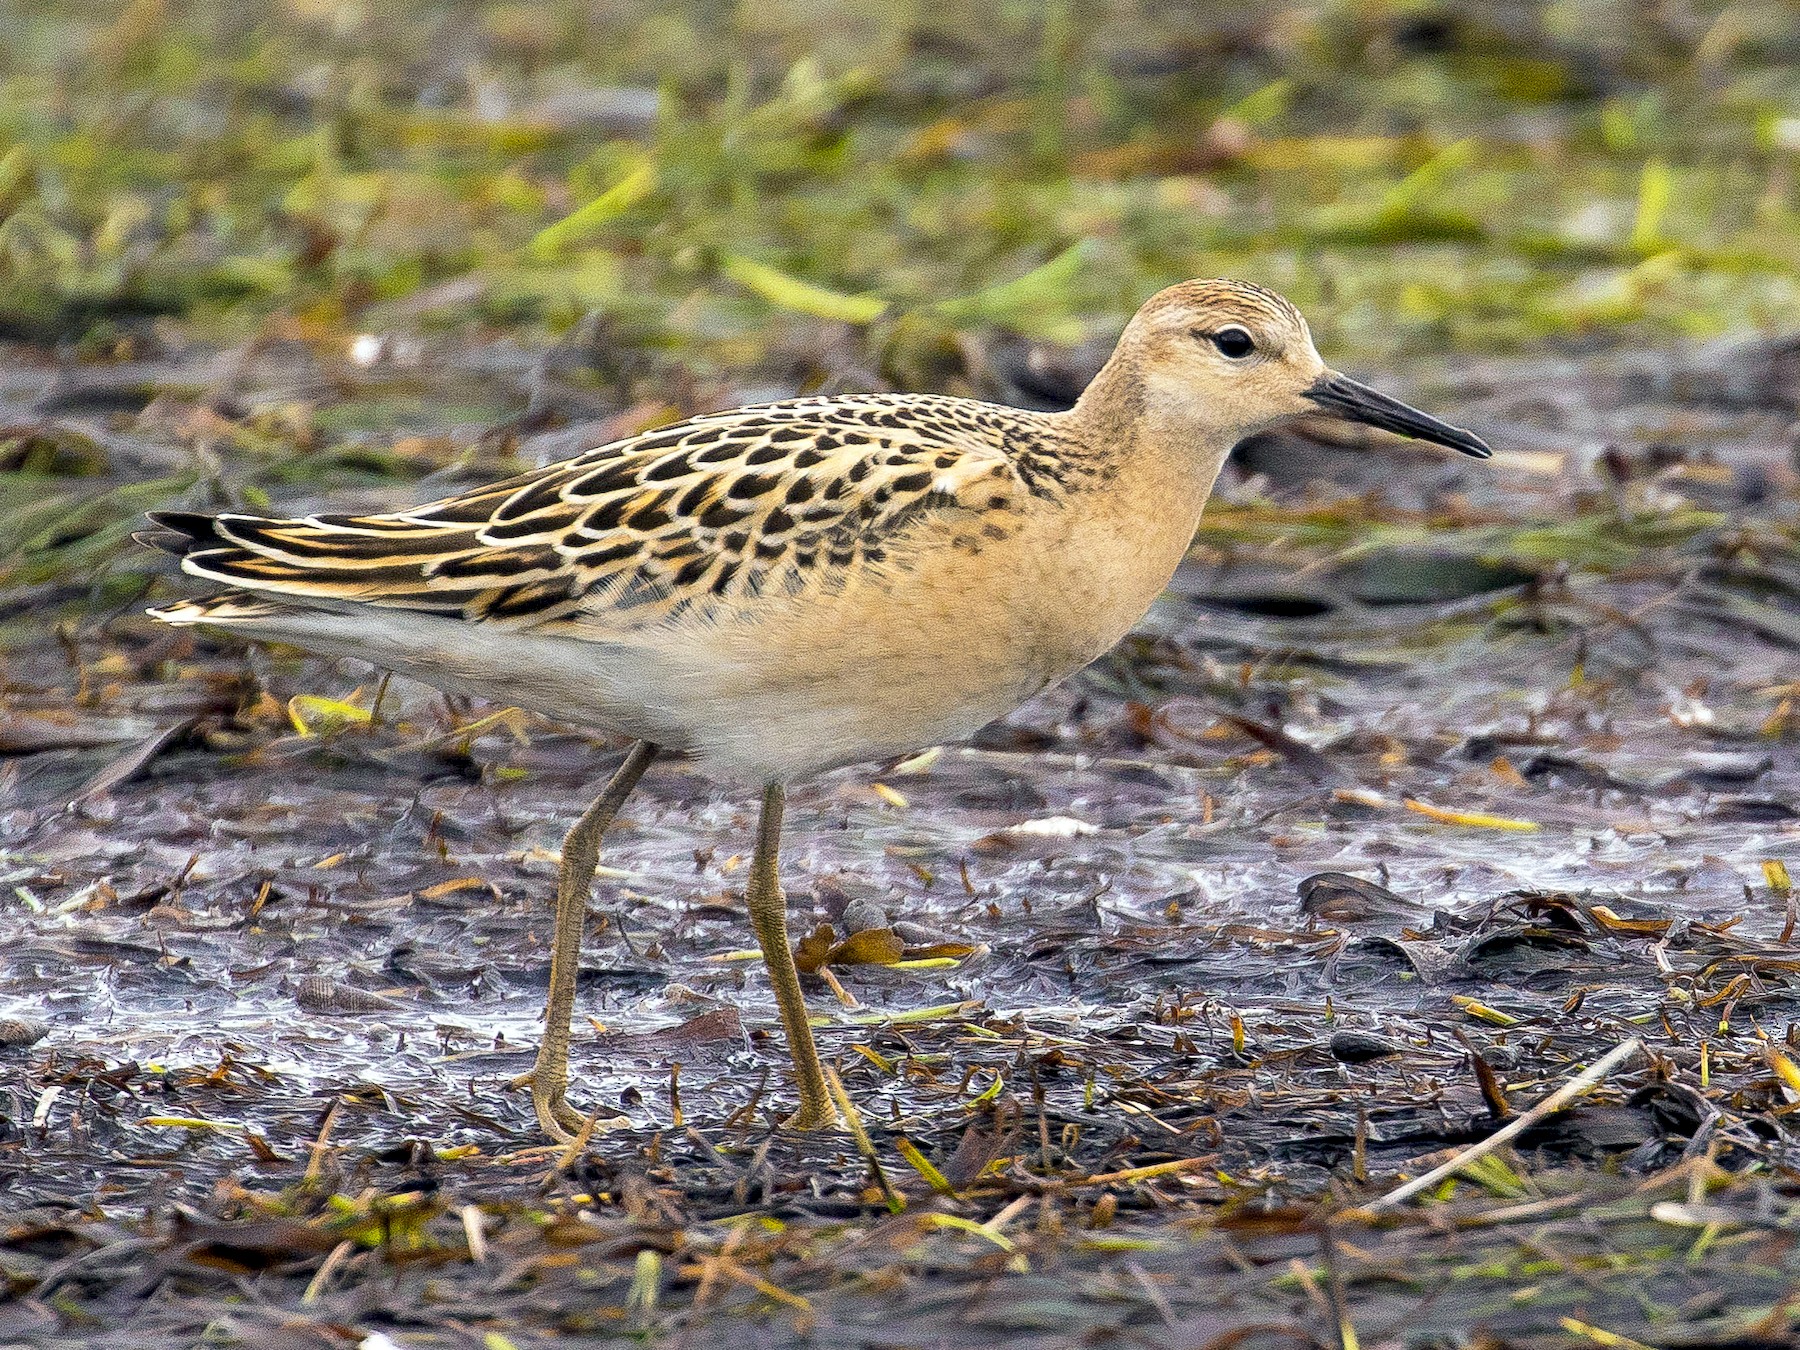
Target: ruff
<point>781,589</point>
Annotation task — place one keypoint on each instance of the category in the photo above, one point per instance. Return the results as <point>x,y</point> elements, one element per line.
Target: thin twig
<point>1555,1102</point>
<point>473,1230</point>
<point>315,1163</point>
<point>864,1145</point>
<point>576,1143</point>
<point>315,1287</point>
<point>1334,1291</point>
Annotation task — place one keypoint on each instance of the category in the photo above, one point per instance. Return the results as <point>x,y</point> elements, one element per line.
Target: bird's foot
<point>556,1117</point>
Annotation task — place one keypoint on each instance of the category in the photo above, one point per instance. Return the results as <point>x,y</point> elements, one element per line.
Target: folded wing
<point>710,513</point>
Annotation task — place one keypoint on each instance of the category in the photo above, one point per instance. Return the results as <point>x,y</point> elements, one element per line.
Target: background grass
<point>1415,175</point>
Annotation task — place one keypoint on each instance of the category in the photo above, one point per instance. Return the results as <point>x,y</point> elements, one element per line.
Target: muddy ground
<point>1427,784</point>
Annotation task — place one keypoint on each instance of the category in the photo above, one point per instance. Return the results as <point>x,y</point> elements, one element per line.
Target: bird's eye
<point>1233,342</point>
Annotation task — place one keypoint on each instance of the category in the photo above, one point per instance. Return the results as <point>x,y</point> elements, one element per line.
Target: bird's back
<point>718,514</point>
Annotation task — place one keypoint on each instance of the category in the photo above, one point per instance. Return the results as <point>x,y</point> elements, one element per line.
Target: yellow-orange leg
<point>549,1077</point>
<point>768,917</point>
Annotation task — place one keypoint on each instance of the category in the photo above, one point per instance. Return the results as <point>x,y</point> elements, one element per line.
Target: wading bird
<point>783,589</point>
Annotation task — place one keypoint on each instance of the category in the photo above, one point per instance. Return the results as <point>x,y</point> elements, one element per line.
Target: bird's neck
<point>1167,454</point>
<point>1122,516</point>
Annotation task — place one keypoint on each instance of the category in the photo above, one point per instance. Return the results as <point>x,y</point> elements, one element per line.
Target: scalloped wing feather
<point>700,517</point>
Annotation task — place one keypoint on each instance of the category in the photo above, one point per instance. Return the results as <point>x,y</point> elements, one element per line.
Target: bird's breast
<point>957,628</point>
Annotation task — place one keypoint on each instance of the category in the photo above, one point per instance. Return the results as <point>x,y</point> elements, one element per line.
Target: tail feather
<point>331,562</point>
<point>185,534</point>
<point>178,532</point>
<point>225,608</point>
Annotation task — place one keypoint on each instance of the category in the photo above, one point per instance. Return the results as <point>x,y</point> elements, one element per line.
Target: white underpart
<point>712,698</point>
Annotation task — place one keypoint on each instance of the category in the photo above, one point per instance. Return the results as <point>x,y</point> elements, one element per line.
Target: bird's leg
<point>549,1077</point>
<point>768,917</point>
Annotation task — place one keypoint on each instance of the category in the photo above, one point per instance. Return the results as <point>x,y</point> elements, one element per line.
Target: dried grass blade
<point>853,1122</point>
<point>923,1166</point>
<point>1568,1092</point>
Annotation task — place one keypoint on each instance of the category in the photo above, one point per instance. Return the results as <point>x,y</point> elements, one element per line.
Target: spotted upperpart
<point>705,516</point>
<point>796,585</point>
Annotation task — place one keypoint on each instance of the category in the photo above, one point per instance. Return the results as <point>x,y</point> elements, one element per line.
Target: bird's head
<point>1228,358</point>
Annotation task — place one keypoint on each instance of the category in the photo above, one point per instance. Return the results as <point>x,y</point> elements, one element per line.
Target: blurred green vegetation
<point>1417,175</point>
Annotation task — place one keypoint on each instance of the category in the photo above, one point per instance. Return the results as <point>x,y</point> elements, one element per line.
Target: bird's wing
<point>705,513</point>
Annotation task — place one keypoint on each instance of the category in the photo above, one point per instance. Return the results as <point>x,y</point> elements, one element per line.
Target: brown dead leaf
<point>1614,924</point>
<point>871,947</point>
<point>815,948</point>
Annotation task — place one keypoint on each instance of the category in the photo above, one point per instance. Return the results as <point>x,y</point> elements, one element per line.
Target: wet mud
<point>1426,785</point>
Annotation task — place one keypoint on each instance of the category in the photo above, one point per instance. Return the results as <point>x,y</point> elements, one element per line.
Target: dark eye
<point>1233,342</point>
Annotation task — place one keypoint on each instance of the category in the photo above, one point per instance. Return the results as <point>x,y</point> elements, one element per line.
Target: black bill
<point>1355,402</point>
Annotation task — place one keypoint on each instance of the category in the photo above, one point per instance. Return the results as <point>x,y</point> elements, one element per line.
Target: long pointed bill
<point>1355,402</point>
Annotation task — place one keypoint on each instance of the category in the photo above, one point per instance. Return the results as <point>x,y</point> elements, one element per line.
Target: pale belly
<point>934,652</point>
